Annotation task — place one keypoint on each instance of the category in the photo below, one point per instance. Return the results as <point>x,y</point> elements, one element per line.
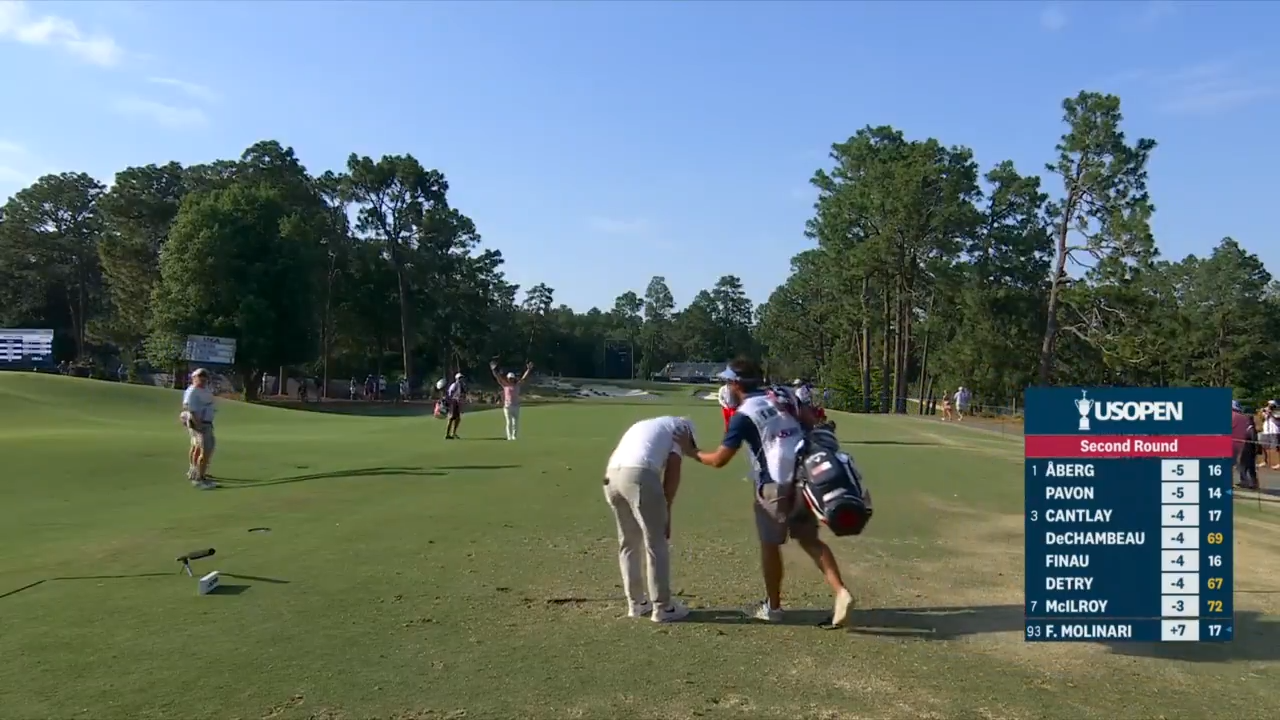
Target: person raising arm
<point>772,434</point>
<point>511,385</point>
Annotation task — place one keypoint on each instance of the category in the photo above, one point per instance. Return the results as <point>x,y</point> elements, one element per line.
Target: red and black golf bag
<point>831,485</point>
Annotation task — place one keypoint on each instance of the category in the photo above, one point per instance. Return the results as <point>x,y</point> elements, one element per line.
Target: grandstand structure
<point>689,372</point>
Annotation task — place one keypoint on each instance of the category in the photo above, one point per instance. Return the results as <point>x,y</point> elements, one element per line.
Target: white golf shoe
<point>673,612</point>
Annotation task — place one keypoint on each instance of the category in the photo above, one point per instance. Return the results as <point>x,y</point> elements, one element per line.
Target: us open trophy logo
<point>1083,405</point>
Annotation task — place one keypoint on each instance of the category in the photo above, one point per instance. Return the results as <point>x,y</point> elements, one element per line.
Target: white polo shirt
<point>199,402</point>
<point>649,443</point>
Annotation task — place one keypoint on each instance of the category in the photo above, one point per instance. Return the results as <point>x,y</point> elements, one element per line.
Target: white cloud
<point>19,24</point>
<point>190,89</point>
<point>1053,17</point>
<point>1211,88</point>
<point>615,226</point>
<point>13,176</point>
<point>1156,10</point>
<point>1206,88</point>
<point>11,148</point>
<point>168,116</point>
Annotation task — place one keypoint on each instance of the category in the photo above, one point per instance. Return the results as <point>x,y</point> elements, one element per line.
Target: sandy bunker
<point>594,390</point>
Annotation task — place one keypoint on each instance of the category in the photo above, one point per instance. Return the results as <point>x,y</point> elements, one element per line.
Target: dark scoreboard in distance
<point>1128,515</point>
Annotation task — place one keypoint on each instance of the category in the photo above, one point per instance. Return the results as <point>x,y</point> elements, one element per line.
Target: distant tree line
<point>929,274</point>
<point>926,274</point>
<point>366,271</point>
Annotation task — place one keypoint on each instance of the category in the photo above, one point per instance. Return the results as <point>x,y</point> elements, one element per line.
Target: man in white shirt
<point>1270,435</point>
<point>803,391</point>
<point>963,396</point>
<point>640,485</point>
<point>197,416</point>
<point>453,398</point>
<point>771,427</point>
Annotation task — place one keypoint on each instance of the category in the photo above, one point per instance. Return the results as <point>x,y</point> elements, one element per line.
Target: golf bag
<point>831,485</point>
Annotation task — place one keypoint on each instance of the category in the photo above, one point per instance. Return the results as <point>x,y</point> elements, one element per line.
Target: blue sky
<point>598,144</point>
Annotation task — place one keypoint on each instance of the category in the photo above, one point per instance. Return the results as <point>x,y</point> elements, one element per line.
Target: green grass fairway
<point>408,577</point>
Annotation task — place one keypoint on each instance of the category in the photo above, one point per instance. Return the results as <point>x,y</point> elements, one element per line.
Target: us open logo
<point>1132,411</point>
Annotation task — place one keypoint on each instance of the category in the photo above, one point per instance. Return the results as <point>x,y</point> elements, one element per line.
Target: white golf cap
<point>458,376</point>
<point>684,424</point>
<point>511,375</point>
<point>200,372</point>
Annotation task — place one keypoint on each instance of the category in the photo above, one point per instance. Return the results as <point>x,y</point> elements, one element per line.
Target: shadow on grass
<point>1256,638</point>
<point>229,590</point>
<point>416,408</point>
<point>237,589</point>
<point>256,578</point>
<point>1261,495</point>
<point>925,623</point>
<point>228,483</point>
<point>86,577</point>
<point>888,442</point>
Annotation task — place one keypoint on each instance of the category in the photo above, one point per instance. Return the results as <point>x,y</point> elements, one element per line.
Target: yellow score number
<point>1214,538</point>
<point>1215,583</point>
<point>1215,606</point>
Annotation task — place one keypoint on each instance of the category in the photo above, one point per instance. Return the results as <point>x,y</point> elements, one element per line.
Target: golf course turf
<point>403,576</point>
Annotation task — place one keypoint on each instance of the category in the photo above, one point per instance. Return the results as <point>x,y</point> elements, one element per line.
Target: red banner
<point>1133,446</point>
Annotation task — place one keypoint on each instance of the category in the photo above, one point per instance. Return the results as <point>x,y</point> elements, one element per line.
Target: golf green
<point>404,576</point>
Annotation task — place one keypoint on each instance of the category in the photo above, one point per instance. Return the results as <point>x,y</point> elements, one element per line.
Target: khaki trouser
<point>511,414</point>
<point>640,508</point>
<point>203,438</point>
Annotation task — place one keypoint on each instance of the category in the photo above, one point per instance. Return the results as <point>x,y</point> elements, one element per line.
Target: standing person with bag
<point>197,415</point>
<point>453,399</point>
<point>640,485</point>
<point>511,385</point>
<point>772,434</point>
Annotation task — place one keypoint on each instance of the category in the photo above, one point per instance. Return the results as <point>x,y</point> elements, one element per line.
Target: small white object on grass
<point>208,583</point>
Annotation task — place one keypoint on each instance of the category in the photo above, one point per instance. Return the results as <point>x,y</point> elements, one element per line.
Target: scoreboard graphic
<point>209,350</point>
<point>25,349</point>
<point>1128,515</point>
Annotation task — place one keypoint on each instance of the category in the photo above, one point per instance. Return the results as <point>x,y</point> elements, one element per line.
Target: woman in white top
<point>1270,437</point>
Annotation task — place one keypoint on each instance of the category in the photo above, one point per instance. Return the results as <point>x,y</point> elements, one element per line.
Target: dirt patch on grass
<point>982,446</point>
<point>974,594</point>
<point>979,581</point>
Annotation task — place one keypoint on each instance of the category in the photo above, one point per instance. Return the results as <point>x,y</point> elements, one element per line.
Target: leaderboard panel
<point>24,348</point>
<point>1128,515</point>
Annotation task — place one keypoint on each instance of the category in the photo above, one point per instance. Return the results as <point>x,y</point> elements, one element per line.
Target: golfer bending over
<point>770,424</point>
<point>197,416</point>
<point>511,396</point>
<point>640,484</point>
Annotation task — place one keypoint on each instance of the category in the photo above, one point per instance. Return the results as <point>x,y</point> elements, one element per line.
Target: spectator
<point>963,396</point>
<point>1271,435</point>
<point>1245,437</point>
